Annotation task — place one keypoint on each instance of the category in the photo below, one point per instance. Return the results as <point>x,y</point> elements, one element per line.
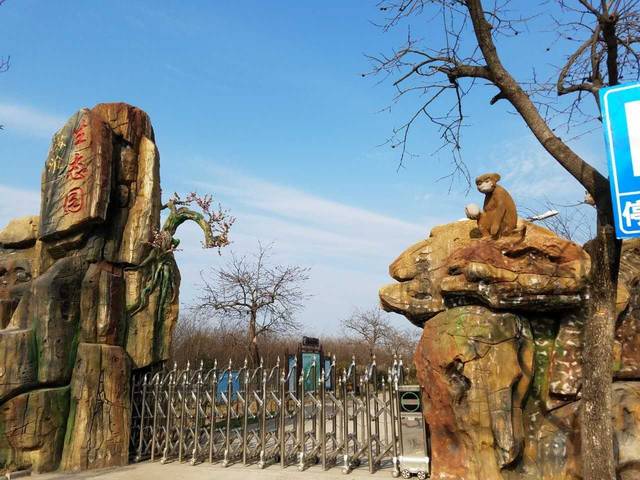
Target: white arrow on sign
<point>632,112</point>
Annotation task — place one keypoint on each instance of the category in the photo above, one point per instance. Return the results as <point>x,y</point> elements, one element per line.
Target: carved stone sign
<point>77,177</point>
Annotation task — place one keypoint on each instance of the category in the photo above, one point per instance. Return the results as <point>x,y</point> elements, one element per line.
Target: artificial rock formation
<point>99,411</point>
<point>500,358</point>
<point>451,267</point>
<point>68,279</point>
<point>476,367</point>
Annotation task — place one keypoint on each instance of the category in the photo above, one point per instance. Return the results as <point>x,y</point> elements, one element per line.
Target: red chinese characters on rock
<point>79,135</point>
<point>73,201</point>
<point>77,169</point>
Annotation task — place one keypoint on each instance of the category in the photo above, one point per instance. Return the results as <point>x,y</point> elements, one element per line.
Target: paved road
<point>173,471</point>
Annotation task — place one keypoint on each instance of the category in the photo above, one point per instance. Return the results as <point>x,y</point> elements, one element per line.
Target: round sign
<point>410,402</point>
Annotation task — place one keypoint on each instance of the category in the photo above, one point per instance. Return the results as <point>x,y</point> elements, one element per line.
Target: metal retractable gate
<point>288,414</point>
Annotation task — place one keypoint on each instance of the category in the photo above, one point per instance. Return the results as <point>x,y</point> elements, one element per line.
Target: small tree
<point>369,326</point>
<point>159,267</point>
<point>261,297</point>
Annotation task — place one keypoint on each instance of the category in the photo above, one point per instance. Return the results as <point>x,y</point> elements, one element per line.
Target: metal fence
<point>269,415</point>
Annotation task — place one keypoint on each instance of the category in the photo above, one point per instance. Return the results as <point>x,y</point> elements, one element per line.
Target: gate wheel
<point>405,473</point>
<point>422,475</point>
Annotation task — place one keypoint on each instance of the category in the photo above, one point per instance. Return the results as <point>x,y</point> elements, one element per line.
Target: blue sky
<point>263,104</point>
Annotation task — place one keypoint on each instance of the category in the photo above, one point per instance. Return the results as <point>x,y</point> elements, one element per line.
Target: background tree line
<point>247,309</point>
<point>200,338</point>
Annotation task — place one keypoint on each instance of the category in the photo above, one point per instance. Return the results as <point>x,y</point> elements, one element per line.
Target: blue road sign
<point>621,122</point>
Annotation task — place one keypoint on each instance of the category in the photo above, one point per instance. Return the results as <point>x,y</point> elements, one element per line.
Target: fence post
<point>196,430</point>
<point>158,378</point>
<point>165,451</point>
<point>214,398</point>
<point>227,453</point>
<point>263,421</point>
<point>323,420</point>
<point>283,412</point>
<point>183,381</point>
<point>395,427</point>
<point>397,402</point>
<point>367,420</point>
<point>245,414</point>
<point>301,420</point>
<point>346,466</point>
<point>376,409</point>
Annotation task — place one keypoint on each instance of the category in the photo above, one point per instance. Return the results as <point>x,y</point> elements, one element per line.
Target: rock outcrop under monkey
<point>500,358</point>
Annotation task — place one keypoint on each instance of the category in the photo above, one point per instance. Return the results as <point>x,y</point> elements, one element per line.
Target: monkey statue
<point>498,216</point>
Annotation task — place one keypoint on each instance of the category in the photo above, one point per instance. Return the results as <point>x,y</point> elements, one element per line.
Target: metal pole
<point>367,419</point>
<point>227,452</point>
<point>214,397</point>
<point>313,407</point>
<point>395,427</point>
<point>183,381</point>
<point>397,402</point>
<point>165,452</point>
<point>386,412</point>
<point>346,465</point>
<point>376,407</point>
<point>354,417</point>
<point>323,420</point>
<point>283,412</point>
<point>245,415</point>
<point>301,420</point>
<point>274,388</point>
<point>156,400</point>
<point>196,430</point>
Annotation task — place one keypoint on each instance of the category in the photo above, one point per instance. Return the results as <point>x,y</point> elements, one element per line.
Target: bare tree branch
<point>370,326</point>
<point>261,297</point>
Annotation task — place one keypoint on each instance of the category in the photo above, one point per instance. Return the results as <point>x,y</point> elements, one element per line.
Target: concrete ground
<point>205,471</point>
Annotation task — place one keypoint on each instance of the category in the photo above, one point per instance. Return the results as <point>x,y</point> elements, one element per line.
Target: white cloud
<point>17,203</point>
<point>348,248</point>
<point>285,214</point>
<point>29,121</point>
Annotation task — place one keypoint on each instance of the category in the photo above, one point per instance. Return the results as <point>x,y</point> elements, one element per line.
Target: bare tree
<point>370,326</point>
<point>598,40</point>
<point>402,342</point>
<point>260,297</point>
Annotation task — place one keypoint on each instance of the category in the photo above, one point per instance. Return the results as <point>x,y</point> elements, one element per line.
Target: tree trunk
<point>598,462</point>
<point>254,352</point>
